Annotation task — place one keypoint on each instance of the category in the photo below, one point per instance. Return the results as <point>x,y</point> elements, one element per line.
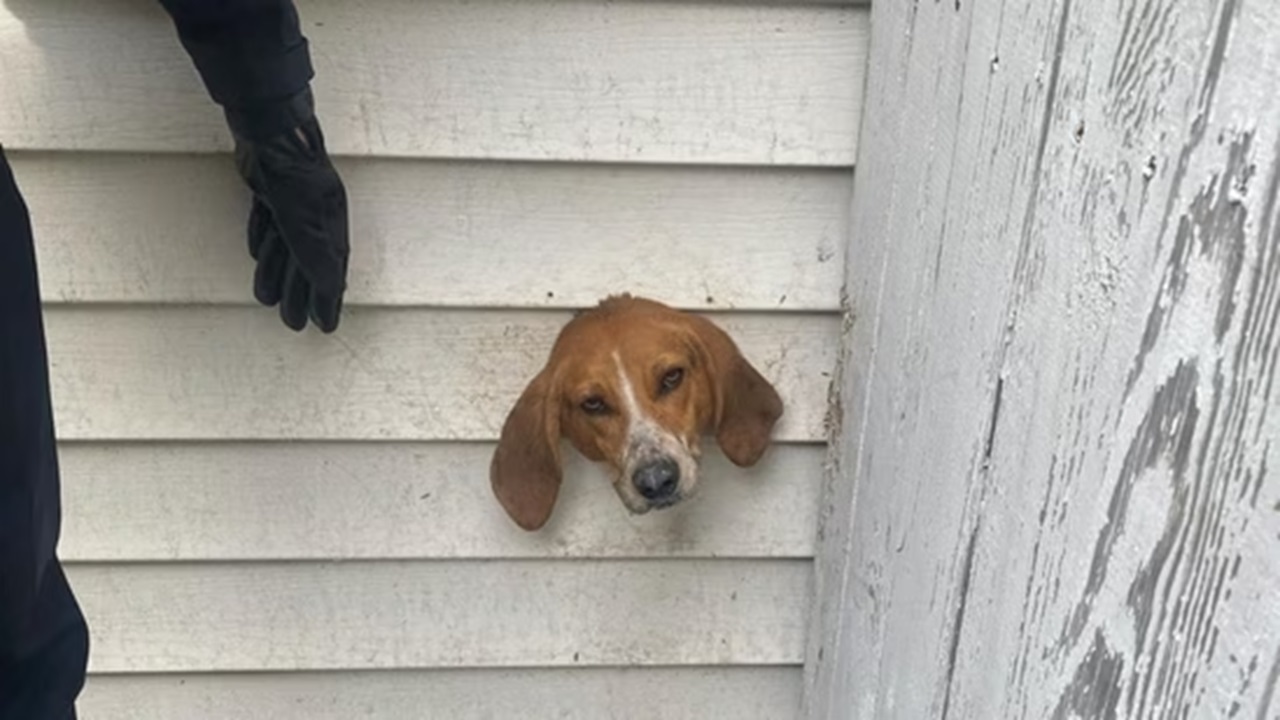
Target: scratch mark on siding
<point>1269,690</point>
<point>1046,122</point>
<point>957,625</point>
<point>1262,474</point>
<point>994,421</point>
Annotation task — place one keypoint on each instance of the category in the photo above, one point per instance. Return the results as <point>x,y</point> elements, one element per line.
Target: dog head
<point>633,384</point>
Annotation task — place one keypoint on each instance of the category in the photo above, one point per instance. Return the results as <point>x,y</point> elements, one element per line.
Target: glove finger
<point>293,302</point>
<point>261,223</point>
<point>314,223</point>
<point>326,311</point>
<point>269,276</point>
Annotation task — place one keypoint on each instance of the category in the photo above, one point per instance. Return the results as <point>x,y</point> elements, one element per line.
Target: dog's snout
<point>657,480</point>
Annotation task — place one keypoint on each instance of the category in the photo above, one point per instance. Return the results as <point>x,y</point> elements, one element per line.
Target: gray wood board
<point>1054,492</point>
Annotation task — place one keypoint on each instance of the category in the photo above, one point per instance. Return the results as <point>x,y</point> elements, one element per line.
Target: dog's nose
<point>657,480</point>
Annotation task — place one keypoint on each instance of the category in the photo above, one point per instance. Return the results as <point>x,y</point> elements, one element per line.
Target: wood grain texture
<point>175,373</point>
<point>287,501</point>
<point>169,229</point>
<point>741,693</point>
<point>1060,399</point>
<point>458,614</point>
<point>515,79</point>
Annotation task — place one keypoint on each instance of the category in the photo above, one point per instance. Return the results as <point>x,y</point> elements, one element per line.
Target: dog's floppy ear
<point>526,471</point>
<point>746,405</point>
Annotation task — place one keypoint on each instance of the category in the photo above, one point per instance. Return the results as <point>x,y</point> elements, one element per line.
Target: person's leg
<point>43,638</point>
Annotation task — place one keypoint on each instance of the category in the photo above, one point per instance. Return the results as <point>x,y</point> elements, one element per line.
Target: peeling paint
<point>1095,688</point>
<point>1208,90</point>
<point>1073,452</point>
<point>1164,433</point>
<point>1218,224</point>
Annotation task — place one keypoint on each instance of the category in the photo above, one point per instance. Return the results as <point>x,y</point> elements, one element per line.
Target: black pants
<point>44,642</point>
<point>255,62</point>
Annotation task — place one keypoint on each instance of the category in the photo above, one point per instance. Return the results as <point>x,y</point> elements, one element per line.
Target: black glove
<point>298,225</point>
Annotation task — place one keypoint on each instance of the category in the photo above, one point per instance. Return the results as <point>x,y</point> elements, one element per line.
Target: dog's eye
<point>594,405</point>
<point>672,379</point>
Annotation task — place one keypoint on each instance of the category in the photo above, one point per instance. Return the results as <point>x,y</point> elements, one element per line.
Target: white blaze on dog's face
<point>636,397</point>
<point>633,384</point>
<point>658,468</point>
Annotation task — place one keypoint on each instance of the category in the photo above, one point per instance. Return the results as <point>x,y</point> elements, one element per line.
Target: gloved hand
<point>298,225</point>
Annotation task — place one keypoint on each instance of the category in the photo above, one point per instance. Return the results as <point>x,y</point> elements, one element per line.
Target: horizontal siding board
<point>517,79</point>
<point>262,501</point>
<point>741,693</point>
<point>173,373</point>
<point>137,228</point>
<point>413,614</point>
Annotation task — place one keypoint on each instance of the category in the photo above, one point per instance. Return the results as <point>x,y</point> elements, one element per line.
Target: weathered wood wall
<point>261,524</point>
<point>1057,492</point>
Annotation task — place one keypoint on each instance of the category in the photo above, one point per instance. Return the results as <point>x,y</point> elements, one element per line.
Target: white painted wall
<point>269,525</point>
<point>1056,493</point>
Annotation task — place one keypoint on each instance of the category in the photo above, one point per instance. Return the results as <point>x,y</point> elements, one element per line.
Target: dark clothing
<point>254,62</point>
<point>253,59</point>
<point>43,639</point>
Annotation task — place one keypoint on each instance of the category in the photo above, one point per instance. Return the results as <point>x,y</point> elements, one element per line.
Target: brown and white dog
<point>634,384</point>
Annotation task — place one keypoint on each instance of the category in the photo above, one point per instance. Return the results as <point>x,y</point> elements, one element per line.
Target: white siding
<point>262,524</point>
<point>473,613</point>
<point>523,79</point>
<point>688,693</point>
<point>328,500</point>
<point>228,373</point>
<point>428,230</point>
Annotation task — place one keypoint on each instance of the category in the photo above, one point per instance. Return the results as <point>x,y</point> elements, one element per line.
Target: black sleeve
<point>252,57</point>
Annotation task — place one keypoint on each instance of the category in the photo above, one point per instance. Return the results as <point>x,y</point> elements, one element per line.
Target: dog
<point>635,384</point>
